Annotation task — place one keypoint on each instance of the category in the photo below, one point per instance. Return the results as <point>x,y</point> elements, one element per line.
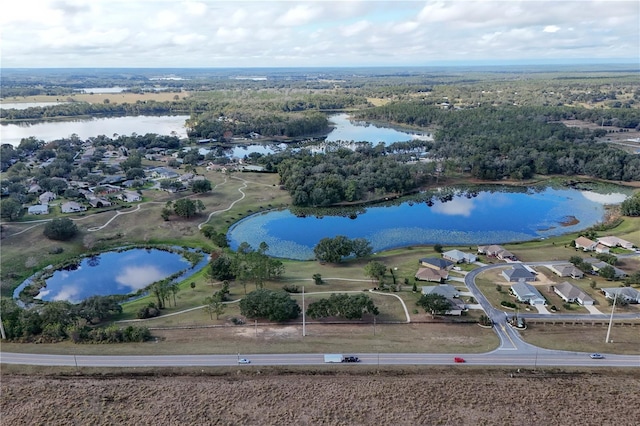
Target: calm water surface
<point>488,218</point>
<point>86,128</point>
<point>112,273</point>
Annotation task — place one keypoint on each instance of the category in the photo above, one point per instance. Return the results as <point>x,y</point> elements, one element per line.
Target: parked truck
<point>334,358</point>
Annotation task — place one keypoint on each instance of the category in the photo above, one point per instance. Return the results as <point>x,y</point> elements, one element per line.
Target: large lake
<point>86,128</point>
<point>488,217</point>
<point>110,273</point>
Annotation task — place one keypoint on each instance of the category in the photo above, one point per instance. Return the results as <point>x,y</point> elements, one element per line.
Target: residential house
<point>495,250</point>
<point>187,177</point>
<point>436,263</point>
<point>130,197</point>
<point>527,293</point>
<point>571,293</point>
<point>72,207</point>
<point>518,272</point>
<point>585,244</point>
<point>597,264</point>
<point>99,202</point>
<point>47,197</point>
<point>433,275</point>
<point>450,293</point>
<point>601,248</point>
<point>458,256</point>
<point>631,295</point>
<point>34,189</point>
<point>38,209</point>
<point>163,173</point>
<point>615,242</point>
<point>566,270</point>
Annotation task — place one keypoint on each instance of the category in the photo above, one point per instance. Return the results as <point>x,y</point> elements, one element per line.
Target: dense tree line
<point>518,142</point>
<point>631,206</point>
<point>343,306</point>
<point>334,250</point>
<point>62,320</point>
<point>244,122</point>
<point>345,175</point>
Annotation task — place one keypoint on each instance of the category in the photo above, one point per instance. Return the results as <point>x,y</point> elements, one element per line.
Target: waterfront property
<point>458,256</point>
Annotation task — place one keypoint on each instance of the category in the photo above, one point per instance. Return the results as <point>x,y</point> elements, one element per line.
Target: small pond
<point>114,272</point>
<point>350,130</point>
<point>491,216</point>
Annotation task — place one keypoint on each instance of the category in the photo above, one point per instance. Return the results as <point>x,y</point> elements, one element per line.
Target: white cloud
<point>312,33</point>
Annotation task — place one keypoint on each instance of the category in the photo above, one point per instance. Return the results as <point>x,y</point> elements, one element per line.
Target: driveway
<point>542,309</point>
<point>592,310</point>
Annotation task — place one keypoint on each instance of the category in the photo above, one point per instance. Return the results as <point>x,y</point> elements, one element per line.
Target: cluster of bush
<point>509,304</point>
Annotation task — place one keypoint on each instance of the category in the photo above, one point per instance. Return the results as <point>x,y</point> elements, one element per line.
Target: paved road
<point>536,358</point>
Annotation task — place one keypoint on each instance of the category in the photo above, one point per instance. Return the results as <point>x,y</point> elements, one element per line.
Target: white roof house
<point>615,242</point>
<point>458,256</point>
<point>72,207</point>
<point>38,209</point>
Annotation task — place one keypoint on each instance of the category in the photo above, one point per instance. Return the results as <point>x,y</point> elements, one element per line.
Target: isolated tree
<point>201,186</point>
<point>215,306</point>
<point>435,304</point>
<point>607,272</point>
<point>11,209</point>
<point>186,208</point>
<point>269,304</point>
<point>317,279</point>
<point>332,250</point>
<point>375,270</point>
<point>437,248</point>
<point>61,229</point>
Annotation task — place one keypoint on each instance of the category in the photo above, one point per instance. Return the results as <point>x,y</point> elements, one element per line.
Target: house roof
<point>568,269</point>
<point>436,261</point>
<point>446,290</point>
<point>584,242</point>
<point>455,254</point>
<point>431,274</point>
<point>518,271</point>
<point>570,291</point>
<point>614,241</point>
<point>526,291</point>
<point>629,292</point>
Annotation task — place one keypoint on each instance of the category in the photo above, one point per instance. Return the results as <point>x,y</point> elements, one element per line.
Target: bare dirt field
<point>361,396</point>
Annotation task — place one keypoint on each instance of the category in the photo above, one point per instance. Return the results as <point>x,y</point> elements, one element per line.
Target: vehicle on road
<point>335,358</point>
<point>244,361</point>
<point>350,359</point>
<point>458,359</point>
<point>596,356</point>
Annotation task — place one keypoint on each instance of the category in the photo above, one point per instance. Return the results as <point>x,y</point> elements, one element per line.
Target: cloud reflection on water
<point>138,277</point>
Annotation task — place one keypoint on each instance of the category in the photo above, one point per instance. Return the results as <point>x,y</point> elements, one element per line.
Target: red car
<point>458,359</point>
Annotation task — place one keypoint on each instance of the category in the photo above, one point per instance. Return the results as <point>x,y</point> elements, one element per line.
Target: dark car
<point>350,359</point>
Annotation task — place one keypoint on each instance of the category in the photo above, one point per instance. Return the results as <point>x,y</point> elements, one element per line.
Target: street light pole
<point>304,329</point>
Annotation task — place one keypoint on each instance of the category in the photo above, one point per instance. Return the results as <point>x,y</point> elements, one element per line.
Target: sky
<point>212,33</point>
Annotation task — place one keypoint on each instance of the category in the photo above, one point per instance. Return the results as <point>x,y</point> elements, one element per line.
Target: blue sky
<point>211,33</point>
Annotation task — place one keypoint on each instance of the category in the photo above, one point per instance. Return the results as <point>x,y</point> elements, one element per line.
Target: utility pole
<point>613,306</point>
<point>2,333</point>
<point>304,325</point>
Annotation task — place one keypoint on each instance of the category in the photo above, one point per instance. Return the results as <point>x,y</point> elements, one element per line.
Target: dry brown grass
<point>327,396</point>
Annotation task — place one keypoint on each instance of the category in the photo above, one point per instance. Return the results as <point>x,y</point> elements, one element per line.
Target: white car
<point>596,356</point>
<point>244,361</point>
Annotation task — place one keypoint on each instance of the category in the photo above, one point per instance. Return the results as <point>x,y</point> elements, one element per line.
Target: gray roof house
<point>46,197</point>
<point>518,273</point>
<point>571,293</point>
<point>527,293</point>
<point>450,293</point>
<point>566,270</point>
<point>458,256</point>
<point>631,295</point>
